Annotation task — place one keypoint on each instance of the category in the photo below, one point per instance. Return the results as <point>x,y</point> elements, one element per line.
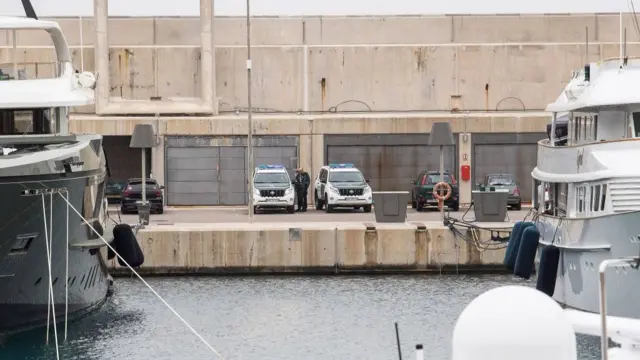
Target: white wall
<point>134,8</point>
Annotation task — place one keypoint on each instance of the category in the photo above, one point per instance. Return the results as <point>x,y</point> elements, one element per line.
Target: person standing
<point>302,186</point>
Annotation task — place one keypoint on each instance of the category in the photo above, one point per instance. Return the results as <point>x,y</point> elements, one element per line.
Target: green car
<point>422,192</point>
<point>113,190</point>
<point>506,183</point>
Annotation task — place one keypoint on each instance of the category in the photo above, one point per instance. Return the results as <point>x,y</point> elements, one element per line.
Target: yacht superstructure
<point>587,185</point>
<point>47,252</point>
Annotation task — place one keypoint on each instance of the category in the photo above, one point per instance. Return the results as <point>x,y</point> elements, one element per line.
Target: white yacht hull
<point>584,244</point>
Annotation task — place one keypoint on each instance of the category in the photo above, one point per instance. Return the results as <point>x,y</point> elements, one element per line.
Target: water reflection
<point>284,318</point>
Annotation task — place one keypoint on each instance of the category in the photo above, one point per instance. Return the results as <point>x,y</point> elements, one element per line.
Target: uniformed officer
<point>302,186</point>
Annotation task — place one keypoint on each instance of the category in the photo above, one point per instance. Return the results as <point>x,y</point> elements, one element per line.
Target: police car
<point>342,185</point>
<point>272,188</point>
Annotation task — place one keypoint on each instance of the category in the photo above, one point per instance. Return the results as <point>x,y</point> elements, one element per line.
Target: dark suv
<point>132,196</point>
<point>422,192</point>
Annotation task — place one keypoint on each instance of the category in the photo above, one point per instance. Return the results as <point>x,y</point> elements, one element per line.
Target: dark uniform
<point>302,185</point>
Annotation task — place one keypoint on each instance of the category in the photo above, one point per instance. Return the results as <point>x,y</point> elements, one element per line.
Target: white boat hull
<point>584,244</point>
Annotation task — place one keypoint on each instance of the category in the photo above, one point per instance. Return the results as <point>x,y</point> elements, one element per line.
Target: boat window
<point>636,124</point>
<point>581,199</point>
<point>595,127</point>
<point>595,198</point>
<point>25,121</point>
<point>561,199</point>
<point>577,128</point>
<point>604,197</point>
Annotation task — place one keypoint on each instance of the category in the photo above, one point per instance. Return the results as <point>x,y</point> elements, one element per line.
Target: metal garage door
<point>124,162</point>
<point>277,155</point>
<point>205,175</point>
<point>216,175</point>
<point>516,159</point>
<point>392,167</point>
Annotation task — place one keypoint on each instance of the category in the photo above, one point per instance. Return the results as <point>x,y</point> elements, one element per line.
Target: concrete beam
<point>206,104</point>
<point>292,124</point>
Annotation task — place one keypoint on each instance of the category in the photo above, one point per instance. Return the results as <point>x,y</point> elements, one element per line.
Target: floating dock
<point>318,248</point>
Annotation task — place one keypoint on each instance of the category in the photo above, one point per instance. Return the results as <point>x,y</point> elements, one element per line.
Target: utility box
<point>144,211</point>
<point>391,206</point>
<point>490,205</point>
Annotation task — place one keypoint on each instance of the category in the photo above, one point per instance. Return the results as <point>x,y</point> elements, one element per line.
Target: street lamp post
<point>250,119</point>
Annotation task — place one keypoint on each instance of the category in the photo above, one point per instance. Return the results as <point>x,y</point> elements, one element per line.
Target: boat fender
<point>527,252</point>
<point>97,227</point>
<point>548,270</point>
<point>126,245</point>
<point>110,253</point>
<point>514,243</point>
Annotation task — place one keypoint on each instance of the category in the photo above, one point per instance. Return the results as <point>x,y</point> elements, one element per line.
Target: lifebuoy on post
<point>437,189</point>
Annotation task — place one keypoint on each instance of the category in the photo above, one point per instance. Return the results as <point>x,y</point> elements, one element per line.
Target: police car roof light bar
<point>264,167</point>
<point>342,165</point>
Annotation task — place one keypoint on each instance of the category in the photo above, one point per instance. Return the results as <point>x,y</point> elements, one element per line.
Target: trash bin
<point>391,206</point>
<point>144,211</point>
<point>490,205</point>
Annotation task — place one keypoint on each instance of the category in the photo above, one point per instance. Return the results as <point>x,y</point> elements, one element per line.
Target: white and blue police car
<point>342,186</point>
<point>272,189</point>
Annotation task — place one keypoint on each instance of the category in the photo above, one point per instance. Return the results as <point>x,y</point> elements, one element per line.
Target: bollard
<point>419,352</point>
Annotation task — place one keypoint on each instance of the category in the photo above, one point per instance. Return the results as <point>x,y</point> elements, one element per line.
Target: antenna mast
<point>621,38</point>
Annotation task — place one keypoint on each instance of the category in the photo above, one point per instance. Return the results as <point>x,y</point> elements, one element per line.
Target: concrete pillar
<point>157,161</point>
<point>208,55</point>
<point>304,160</point>
<point>101,18</point>
<point>464,153</point>
<point>317,158</point>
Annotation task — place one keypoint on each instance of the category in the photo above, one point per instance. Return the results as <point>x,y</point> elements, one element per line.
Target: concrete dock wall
<point>311,248</point>
<point>507,62</point>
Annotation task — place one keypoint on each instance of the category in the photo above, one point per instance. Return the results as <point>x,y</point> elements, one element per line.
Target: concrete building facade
<point>358,89</point>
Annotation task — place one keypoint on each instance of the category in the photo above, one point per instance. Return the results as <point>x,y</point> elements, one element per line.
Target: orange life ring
<point>442,186</point>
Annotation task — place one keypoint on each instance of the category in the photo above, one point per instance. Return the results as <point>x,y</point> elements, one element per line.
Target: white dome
<point>513,323</point>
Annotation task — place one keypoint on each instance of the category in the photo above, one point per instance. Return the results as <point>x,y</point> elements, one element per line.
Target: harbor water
<point>284,318</point>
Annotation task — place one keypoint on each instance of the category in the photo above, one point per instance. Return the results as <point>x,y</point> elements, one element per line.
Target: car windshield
<point>270,178</point>
<point>500,180</point>
<point>435,178</point>
<point>346,176</point>
<point>115,184</point>
<point>150,184</point>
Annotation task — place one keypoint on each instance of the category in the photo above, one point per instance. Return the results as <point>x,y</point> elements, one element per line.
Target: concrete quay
<point>316,248</point>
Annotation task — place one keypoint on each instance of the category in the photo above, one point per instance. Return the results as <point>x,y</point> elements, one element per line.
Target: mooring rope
<point>66,276</point>
<point>51,300</point>
<point>145,283</point>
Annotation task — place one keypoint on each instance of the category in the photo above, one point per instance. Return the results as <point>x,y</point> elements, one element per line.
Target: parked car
<point>422,192</point>
<point>113,190</point>
<point>505,182</point>
<point>132,196</point>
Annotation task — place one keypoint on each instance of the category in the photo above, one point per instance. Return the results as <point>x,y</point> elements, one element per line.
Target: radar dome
<point>513,322</point>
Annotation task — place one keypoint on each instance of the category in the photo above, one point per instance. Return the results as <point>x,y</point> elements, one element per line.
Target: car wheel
<point>414,204</point>
<point>123,211</point>
<point>456,206</point>
<point>319,203</point>
<point>161,210</point>
<point>518,207</point>
<point>367,208</point>
<point>291,209</point>
<point>419,207</point>
<point>255,209</point>
<point>329,208</point>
